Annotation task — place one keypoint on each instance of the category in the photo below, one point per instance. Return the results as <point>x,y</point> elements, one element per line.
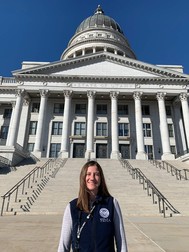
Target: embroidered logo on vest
<point>104,213</point>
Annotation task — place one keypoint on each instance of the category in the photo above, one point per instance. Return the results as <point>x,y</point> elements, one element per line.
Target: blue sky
<point>39,30</point>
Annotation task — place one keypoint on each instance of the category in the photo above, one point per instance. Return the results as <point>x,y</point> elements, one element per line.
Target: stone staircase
<point>62,186</point>
<point>176,191</point>
<point>24,195</point>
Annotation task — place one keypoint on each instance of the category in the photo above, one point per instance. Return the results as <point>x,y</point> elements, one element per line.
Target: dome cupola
<point>98,33</point>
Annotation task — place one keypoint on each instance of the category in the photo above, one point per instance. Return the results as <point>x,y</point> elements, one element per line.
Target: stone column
<point>114,126</point>
<point>66,124</point>
<point>180,136</point>
<point>164,128</point>
<point>15,120</point>
<point>90,126</point>
<point>185,111</point>
<point>41,123</point>
<point>139,127</point>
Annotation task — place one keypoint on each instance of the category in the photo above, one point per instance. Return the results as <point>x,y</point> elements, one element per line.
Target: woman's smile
<point>93,179</point>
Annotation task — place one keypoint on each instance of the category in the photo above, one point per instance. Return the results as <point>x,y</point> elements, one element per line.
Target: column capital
<point>183,97</point>
<point>44,92</point>
<point>137,95</point>
<point>13,103</point>
<point>90,93</point>
<point>67,93</point>
<point>20,92</point>
<point>160,96</point>
<point>114,94</point>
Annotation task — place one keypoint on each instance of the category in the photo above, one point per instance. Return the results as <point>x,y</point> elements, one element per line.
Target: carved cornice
<point>105,79</point>
<point>8,90</point>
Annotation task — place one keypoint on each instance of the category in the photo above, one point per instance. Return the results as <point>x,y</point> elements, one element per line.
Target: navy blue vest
<point>98,233</point>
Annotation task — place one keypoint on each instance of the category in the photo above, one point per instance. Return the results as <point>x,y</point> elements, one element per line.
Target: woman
<point>93,222</point>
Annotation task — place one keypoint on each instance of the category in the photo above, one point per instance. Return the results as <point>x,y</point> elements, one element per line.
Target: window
<point>101,109</point>
<point>30,147</point>
<point>35,107</point>
<point>122,109</point>
<point>168,110</point>
<point>7,113</point>
<point>147,129</point>
<point>58,108</point>
<point>57,128</point>
<point>79,129</point>
<point>80,108</point>
<point>54,149</point>
<point>170,129</point>
<point>33,128</point>
<point>149,151</point>
<point>101,129</point>
<point>173,149</point>
<point>123,129</point>
<point>145,109</point>
<point>4,132</point>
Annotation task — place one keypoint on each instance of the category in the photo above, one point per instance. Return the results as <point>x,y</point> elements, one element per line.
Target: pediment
<point>105,68</point>
<point>101,65</point>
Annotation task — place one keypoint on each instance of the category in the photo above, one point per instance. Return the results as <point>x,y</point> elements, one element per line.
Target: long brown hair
<point>83,197</point>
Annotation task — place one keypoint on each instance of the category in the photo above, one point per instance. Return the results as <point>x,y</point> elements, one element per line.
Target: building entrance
<point>78,150</point>
<point>124,149</point>
<point>101,151</point>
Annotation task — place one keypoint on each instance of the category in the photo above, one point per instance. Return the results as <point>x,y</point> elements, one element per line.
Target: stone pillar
<point>166,150</point>
<point>180,136</point>
<point>114,126</point>
<point>41,123</point>
<point>185,111</point>
<point>90,126</point>
<point>15,120</point>
<point>66,124</point>
<point>139,127</point>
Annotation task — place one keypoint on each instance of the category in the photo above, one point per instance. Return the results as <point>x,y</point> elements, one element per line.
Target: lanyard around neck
<point>79,229</point>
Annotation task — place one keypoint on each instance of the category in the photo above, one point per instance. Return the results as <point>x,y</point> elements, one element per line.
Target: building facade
<point>97,101</point>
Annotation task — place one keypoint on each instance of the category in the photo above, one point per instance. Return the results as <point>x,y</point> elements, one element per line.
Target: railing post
<point>185,174</point>
<point>29,181</point>
<point>8,201</point>
<point>153,196</point>
<point>23,187</point>
<point>16,196</point>
<point>2,208</point>
<point>163,203</point>
<point>159,204</point>
<point>34,176</point>
<point>143,184</point>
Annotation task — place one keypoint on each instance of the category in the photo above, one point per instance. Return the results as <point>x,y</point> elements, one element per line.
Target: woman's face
<point>92,179</point>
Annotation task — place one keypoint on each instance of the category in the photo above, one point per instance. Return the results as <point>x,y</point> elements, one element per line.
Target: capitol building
<point>97,101</point>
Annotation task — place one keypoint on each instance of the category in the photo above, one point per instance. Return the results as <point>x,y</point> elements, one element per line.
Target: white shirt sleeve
<point>120,238</point>
<point>65,236</point>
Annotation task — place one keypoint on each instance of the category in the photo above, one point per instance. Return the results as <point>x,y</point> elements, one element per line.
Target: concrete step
<point>64,185</point>
<point>176,191</point>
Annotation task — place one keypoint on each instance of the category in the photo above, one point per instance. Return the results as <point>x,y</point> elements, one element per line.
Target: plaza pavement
<point>40,233</point>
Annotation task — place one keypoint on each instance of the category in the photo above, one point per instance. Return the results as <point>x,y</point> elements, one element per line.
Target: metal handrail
<point>176,171</point>
<point>37,172</point>
<point>163,202</point>
<point>60,164</point>
<point>172,169</point>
